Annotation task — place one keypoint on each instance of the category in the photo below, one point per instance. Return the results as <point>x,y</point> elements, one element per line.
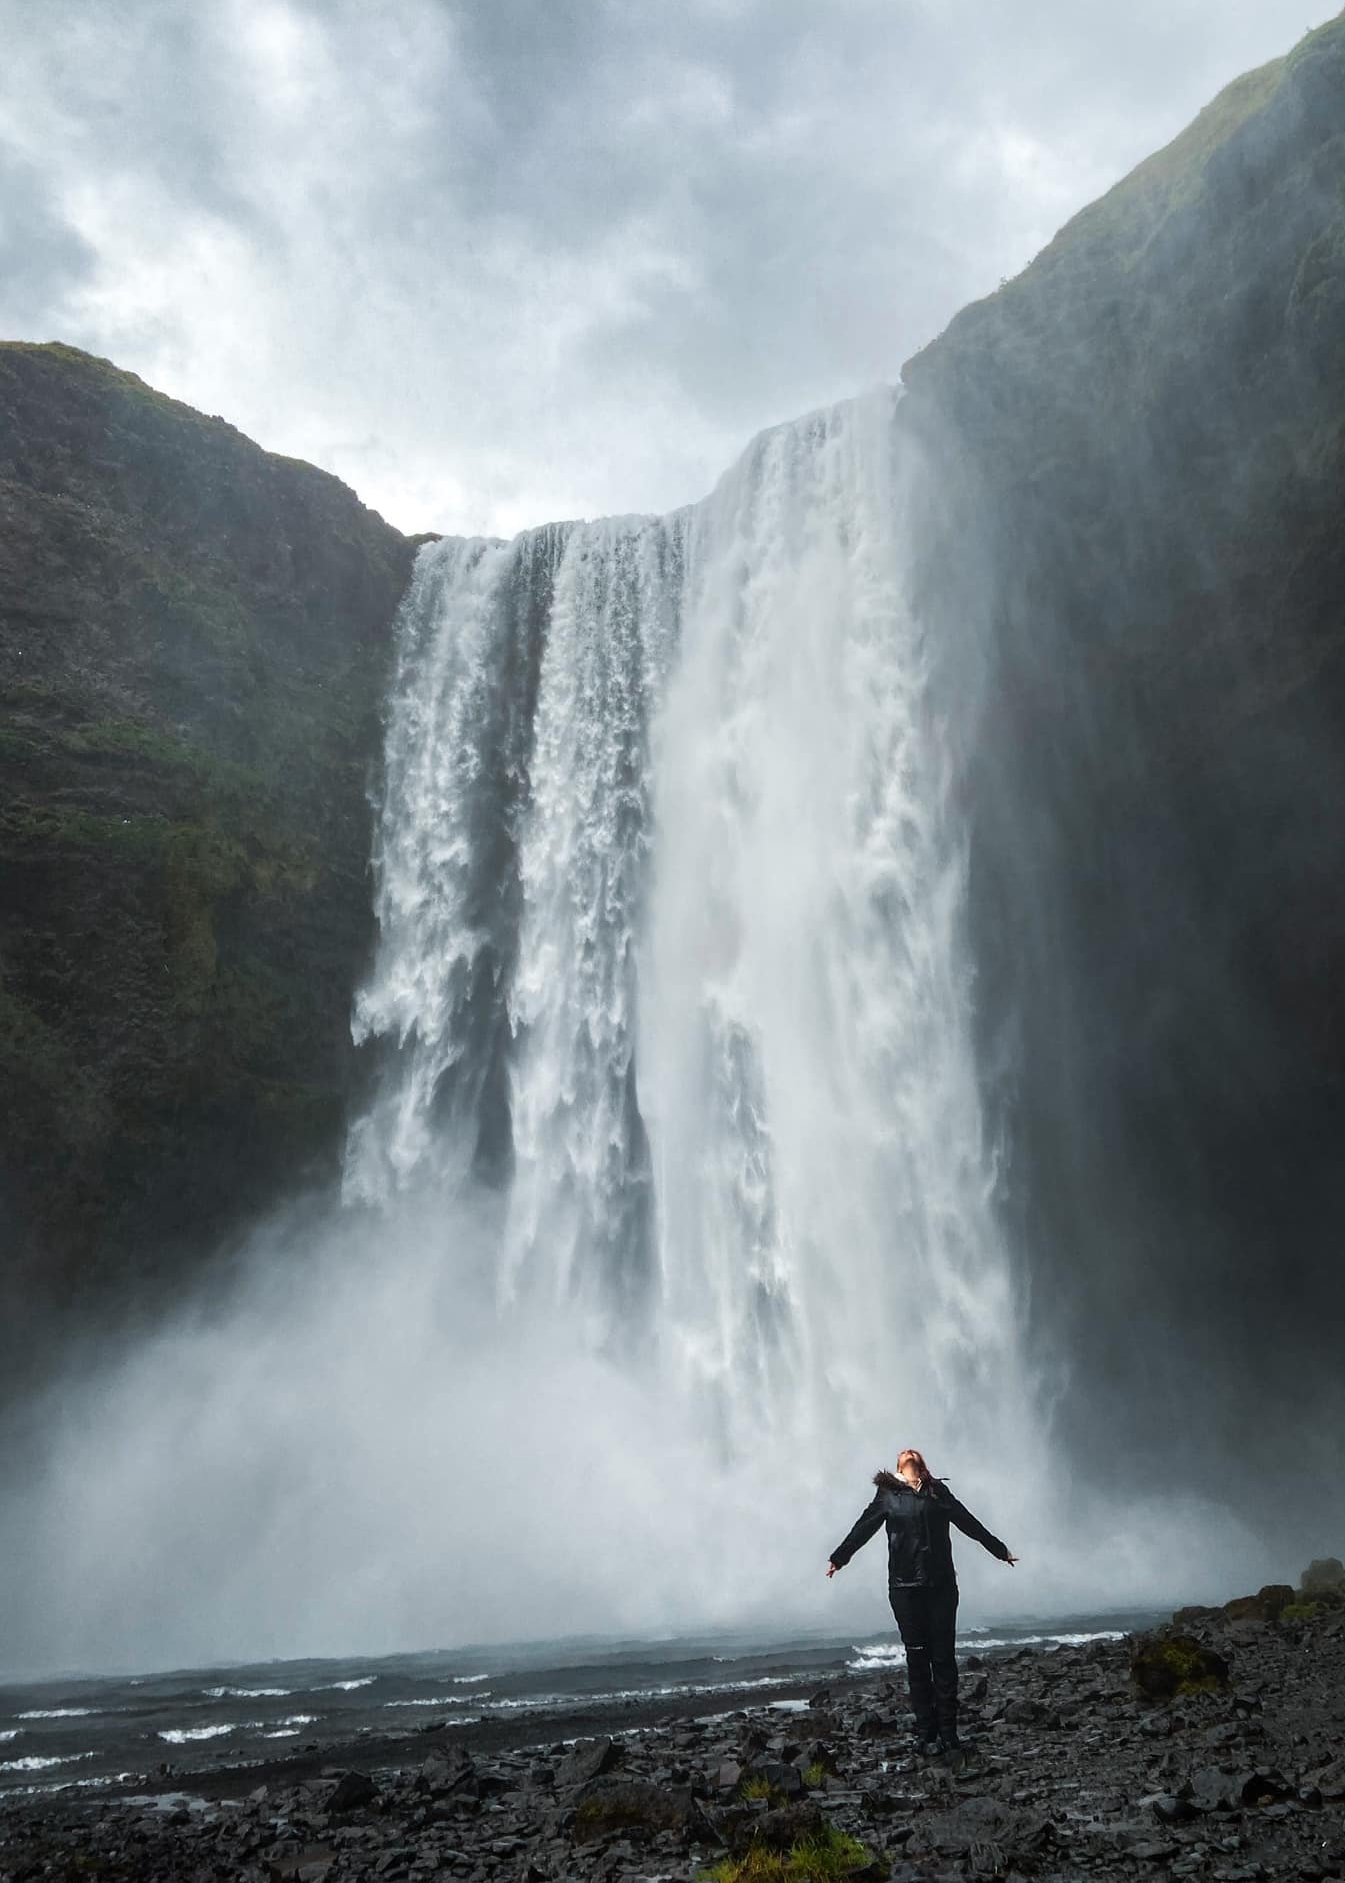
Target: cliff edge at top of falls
<point>194,636</point>
<point>1231,229</point>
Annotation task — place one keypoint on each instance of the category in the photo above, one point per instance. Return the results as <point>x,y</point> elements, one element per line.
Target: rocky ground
<point>1071,1769</point>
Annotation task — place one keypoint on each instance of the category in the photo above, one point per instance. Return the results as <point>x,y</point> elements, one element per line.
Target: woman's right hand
<point>831,1569</point>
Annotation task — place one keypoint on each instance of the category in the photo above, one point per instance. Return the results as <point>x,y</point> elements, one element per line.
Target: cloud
<point>494,263</point>
<point>42,259</point>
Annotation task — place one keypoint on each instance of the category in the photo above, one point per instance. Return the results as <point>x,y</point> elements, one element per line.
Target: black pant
<point>927,1619</point>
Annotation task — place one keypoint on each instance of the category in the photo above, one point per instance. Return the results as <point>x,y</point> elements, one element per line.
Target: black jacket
<point>919,1551</point>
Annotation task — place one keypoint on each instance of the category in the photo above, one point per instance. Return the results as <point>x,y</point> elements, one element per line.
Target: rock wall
<point>193,643</point>
<point>1138,560</point>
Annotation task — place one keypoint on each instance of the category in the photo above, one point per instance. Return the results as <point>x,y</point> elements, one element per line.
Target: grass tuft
<point>823,1858</point>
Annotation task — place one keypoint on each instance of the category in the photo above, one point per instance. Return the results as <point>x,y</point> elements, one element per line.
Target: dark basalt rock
<point>354,1791</point>
<point>585,1761</point>
<point>1325,1575</point>
<point>632,1807</point>
<point>1164,1665</point>
<point>776,1829</point>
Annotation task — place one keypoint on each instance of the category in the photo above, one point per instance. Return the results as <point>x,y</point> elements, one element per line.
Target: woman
<point>922,1585</point>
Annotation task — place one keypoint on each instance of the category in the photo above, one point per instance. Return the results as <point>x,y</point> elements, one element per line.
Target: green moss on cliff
<point>193,645</point>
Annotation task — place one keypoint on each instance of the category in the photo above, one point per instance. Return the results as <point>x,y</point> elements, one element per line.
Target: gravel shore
<point>1070,1769</point>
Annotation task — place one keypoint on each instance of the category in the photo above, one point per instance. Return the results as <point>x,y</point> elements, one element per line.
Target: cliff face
<point>194,636</point>
<point>1138,559</point>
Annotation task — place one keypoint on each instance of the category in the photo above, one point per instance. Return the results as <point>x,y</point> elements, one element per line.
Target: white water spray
<point>671,1214</point>
<point>746,1128</point>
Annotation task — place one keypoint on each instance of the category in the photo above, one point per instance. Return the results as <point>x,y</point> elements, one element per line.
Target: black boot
<point>943,1681</point>
<point>921,1683</point>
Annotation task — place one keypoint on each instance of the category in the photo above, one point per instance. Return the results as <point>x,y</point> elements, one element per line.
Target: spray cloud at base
<point>672,1212</point>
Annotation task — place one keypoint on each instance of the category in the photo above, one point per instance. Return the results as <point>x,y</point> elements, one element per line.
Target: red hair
<point>913,1457</point>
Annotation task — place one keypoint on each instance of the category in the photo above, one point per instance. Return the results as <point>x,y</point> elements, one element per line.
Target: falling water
<point>670,1212</point>
<point>671,898</point>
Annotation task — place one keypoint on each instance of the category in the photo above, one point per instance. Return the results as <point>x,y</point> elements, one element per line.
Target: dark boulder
<point>778,1829</point>
<point>585,1760</point>
<point>354,1790</point>
<point>1325,1573</point>
<point>783,1777</point>
<point>633,1808</point>
<point>450,1771</point>
<point>1162,1665</point>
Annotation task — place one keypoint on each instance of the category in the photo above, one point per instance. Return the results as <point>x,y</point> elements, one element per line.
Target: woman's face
<point>909,1472</point>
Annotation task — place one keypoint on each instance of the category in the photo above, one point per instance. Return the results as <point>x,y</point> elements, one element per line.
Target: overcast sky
<point>500,261</point>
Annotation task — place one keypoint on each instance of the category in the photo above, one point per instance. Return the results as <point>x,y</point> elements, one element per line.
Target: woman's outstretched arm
<point>974,1528</point>
<point>869,1522</point>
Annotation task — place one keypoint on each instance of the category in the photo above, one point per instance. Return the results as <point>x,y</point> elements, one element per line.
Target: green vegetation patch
<point>42,826</point>
<point>827,1854</point>
<point>1165,1665</point>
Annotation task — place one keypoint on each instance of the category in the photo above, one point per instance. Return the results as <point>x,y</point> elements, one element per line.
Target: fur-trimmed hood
<point>889,1481</point>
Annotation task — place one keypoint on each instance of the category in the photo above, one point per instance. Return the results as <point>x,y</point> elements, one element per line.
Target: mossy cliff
<point>1137,557</point>
<point>194,636</point>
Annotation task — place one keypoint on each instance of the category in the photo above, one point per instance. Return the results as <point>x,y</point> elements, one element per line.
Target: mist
<point>350,1456</point>
<point>620,1355</point>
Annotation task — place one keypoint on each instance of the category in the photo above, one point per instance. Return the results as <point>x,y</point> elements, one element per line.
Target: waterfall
<point>670,1213</point>
<point>671,898</point>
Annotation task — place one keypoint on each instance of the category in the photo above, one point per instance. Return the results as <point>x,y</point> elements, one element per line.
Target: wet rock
<point>354,1791</point>
<point>1195,1616</point>
<point>1322,1574</point>
<point>987,1829</point>
<point>309,1864</point>
<point>1170,1807</point>
<point>1275,1597</point>
<point>777,1829</point>
<point>782,1777</point>
<point>1162,1665</point>
<point>1329,1780</point>
<point>586,1760</point>
<point>608,1805</point>
<point>450,1771</point>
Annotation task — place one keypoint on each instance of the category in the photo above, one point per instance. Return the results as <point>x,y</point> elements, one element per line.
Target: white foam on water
<point>875,1656</point>
<point>183,1735</point>
<point>59,1713</point>
<point>449,1699</point>
<point>36,1762</point>
<point>247,1693</point>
